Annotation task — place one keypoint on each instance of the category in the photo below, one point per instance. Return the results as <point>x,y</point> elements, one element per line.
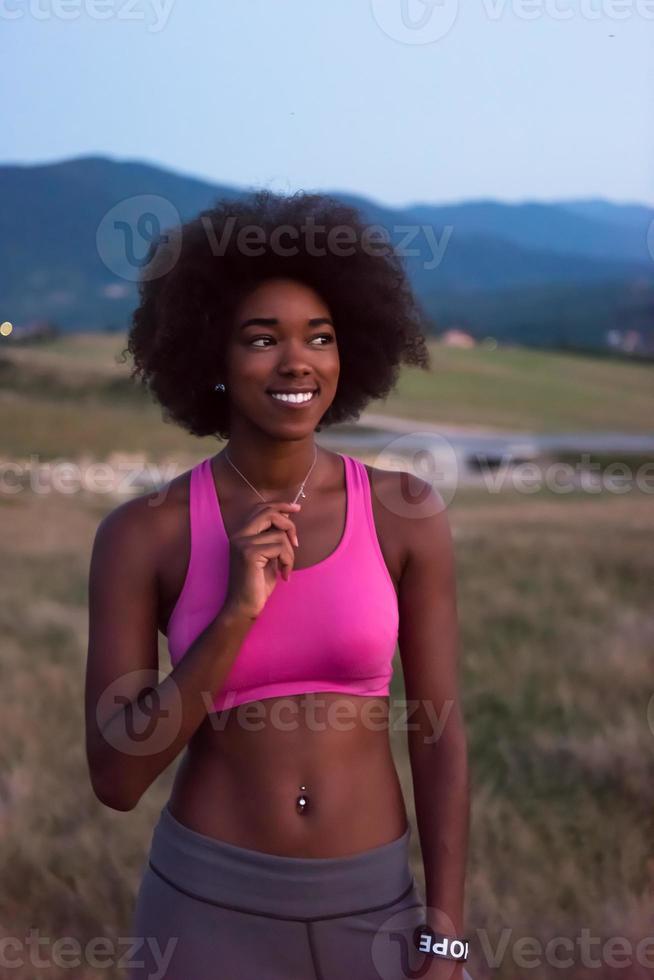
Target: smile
<point>294,400</point>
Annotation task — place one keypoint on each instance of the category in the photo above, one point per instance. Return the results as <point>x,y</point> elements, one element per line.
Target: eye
<point>322,336</point>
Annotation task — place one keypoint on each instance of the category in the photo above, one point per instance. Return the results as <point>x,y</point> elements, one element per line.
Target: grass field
<point>44,389</point>
<point>557,638</point>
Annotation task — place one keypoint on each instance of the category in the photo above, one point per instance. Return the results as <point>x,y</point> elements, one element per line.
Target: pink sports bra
<point>332,627</point>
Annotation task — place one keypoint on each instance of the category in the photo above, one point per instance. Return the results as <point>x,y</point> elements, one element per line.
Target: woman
<point>283,584</point>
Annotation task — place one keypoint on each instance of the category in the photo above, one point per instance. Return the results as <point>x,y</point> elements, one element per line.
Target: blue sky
<point>510,99</point>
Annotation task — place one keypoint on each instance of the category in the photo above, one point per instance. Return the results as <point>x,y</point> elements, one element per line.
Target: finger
<point>288,525</point>
<point>280,505</point>
<point>265,521</point>
<point>279,547</point>
<point>286,561</point>
<point>264,542</point>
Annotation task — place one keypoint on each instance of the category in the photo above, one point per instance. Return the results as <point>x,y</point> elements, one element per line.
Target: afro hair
<point>197,274</point>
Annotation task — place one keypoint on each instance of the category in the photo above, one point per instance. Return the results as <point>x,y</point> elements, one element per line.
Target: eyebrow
<point>272,321</point>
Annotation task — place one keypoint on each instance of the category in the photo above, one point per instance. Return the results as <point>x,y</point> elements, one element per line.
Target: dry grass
<point>520,389</point>
<point>527,390</point>
<point>557,640</point>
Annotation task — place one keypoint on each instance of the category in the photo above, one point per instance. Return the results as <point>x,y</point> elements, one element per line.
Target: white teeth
<point>305,397</point>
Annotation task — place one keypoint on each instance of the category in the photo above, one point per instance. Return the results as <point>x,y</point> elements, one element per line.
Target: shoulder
<point>415,510</point>
<point>411,499</point>
<point>146,520</point>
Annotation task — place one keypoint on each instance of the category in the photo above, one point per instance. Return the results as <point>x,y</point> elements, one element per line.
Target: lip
<point>292,391</point>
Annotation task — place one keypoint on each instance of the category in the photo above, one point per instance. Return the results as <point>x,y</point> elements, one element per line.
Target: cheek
<point>245,370</point>
<point>333,367</point>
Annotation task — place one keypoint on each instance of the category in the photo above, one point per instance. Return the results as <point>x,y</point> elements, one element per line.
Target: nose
<point>294,358</point>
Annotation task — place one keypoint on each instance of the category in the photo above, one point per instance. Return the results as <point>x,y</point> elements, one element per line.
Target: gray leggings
<point>209,910</point>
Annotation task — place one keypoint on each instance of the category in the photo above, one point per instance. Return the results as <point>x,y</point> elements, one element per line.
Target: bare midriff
<point>240,777</point>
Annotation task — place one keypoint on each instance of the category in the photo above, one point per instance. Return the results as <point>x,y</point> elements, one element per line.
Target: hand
<point>264,542</point>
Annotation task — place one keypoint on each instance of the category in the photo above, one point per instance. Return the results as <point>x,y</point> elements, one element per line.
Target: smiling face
<point>282,359</point>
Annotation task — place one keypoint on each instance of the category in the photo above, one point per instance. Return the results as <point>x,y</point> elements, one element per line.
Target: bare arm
<point>132,735</point>
<point>437,743</point>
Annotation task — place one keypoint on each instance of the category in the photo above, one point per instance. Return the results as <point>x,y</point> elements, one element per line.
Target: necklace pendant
<point>302,493</point>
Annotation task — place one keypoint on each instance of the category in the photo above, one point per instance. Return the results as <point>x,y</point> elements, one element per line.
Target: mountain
<point>602,232</point>
<point>635,216</point>
<point>566,314</point>
<point>72,235</point>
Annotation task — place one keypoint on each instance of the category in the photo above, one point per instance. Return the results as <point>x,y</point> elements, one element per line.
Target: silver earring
<point>219,387</point>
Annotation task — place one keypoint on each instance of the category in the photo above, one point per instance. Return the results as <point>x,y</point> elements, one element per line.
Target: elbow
<point>114,800</point>
<point>112,794</point>
<point>448,754</point>
<point>113,785</point>
<point>117,802</point>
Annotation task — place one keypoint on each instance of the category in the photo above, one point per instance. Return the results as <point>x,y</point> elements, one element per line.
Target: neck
<point>277,467</point>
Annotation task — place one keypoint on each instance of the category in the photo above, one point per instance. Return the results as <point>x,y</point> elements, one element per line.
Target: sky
<point>402,101</point>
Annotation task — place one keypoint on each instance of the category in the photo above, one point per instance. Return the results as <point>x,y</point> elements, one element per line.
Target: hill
<point>73,234</point>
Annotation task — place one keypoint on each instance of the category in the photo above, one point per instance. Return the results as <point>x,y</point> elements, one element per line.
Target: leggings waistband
<point>218,872</point>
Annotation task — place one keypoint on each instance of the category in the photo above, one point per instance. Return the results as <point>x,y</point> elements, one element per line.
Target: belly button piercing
<point>302,801</point>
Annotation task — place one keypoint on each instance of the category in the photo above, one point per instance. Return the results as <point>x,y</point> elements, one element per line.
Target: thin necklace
<point>300,492</point>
